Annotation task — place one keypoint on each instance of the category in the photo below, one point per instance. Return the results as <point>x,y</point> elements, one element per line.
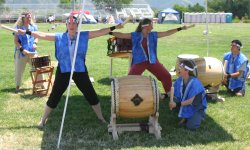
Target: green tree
<point>239,8</point>
<point>114,3</point>
<point>2,2</point>
<point>180,9</point>
<point>196,8</point>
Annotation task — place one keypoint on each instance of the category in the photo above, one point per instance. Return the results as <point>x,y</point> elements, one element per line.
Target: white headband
<point>239,46</point>
<point>188,68</point>
<point>145,25</point>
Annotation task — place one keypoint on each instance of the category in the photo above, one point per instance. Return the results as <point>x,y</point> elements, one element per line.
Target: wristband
<point>28,32</point>
<point>112,28</point>
<point>21,49</point>
<point>178,104</point>
<point>35,43</point>
<point>228,76</point>
<point>110,33</point>
<point>179,29</point>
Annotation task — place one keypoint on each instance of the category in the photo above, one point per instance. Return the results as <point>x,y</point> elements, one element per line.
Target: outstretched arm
<point>39,35</point>
<point>121,35</point>
<point>173,31</point>
<point>104,31</point>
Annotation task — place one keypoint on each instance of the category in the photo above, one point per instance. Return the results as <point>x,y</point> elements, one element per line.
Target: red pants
<point>158,70</point>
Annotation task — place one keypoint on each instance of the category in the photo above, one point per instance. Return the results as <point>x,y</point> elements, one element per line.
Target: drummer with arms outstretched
<point>144,52</point>
<point>65,44</point>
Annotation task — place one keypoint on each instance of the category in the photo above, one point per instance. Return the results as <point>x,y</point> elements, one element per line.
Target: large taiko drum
<point>40,61</point>
<point>210,71</point>
<point>118,46</point>
<point>134,96</point>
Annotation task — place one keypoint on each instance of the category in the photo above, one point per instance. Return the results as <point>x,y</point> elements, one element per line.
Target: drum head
<point>187,56</point>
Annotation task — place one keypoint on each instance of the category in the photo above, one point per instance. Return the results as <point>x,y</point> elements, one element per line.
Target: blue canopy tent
<point>169,15</point>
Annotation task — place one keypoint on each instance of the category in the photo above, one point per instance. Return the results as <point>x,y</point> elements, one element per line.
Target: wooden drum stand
<point>134,97</point>
<point>41,73</point>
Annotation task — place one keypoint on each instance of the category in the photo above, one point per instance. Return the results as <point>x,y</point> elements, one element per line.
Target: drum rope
<point>114,95</point>
<point>156,96</point>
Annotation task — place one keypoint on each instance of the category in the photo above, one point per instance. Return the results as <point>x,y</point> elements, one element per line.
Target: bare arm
<point>43,35</point>
<point>122,35</point>
<point>187,102</point>
<point>40,35</point>
<point>173,31</point>
<point>101,32</point>
<point>172,104</point>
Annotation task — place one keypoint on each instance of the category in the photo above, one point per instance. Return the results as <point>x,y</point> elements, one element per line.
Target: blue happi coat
<point>62,52</point>
<point>233,66</point>
<point>26,40</point>
<point>138,52</point>
<point>193,88</point>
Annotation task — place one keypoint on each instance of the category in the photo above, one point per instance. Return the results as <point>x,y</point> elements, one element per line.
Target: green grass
<point>225,127</point>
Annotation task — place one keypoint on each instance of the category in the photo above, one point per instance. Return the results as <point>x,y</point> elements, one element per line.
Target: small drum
<point>134,96</point>
<point>40,61</point>
<point>210,70</point>
<point>118,45</point>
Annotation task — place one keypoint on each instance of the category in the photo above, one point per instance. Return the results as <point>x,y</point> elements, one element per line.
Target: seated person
<point>236,69</point>
<point>189,96</point>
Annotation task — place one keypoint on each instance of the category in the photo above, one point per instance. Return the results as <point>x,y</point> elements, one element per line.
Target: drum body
<point>40,61</point>
<point>118,45</point>
<point>210,71</point>
<point>134,96</point>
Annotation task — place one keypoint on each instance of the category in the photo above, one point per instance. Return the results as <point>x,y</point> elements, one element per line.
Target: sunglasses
<point>72,20</point>
<point>26,16</point>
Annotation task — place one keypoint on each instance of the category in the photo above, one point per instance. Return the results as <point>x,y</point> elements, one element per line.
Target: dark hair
<point>191,65</point>
<point>238,42</point>
<point>143,22</point>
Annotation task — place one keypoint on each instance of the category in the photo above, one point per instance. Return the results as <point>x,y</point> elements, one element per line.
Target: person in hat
<point>25,46</point>
<point>236,69</point>
<point>64,46</point>
<point>144,52</point>
<point>189,96</point>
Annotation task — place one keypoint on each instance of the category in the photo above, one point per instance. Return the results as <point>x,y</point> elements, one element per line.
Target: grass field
<point>226,125</point>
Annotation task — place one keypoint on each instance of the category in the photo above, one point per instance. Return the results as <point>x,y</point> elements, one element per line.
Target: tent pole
<point>207,30</point>
<point>71,75</point>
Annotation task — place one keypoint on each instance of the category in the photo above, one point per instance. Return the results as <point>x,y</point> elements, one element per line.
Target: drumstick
<point>8,28</point>
<point>225,66</point>
<point>193,25</point>
<point>224,81</point>
<point>127,20</point>
<point>171,96</point>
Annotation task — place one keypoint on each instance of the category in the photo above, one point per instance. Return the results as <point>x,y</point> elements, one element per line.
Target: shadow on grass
<point>18,127</point>
<point>13,90</point>
<point>24,93</point>
<point>105,81</point>
<point>82,130</point>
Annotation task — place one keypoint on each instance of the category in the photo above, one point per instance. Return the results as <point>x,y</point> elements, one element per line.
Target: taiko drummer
<point>144,52</point>
<point>65,44</point>
<point>189,96</point>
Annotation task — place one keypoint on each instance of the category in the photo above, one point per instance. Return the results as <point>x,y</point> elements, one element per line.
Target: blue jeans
<point>195,121</point>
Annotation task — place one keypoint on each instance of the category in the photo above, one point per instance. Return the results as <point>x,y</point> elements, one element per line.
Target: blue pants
<point>195,121</point>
